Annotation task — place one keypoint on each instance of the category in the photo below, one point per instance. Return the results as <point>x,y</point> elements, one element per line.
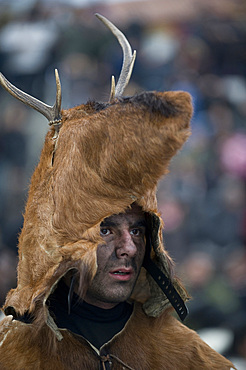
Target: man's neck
<point>89,299</point>
<point>105,305</point>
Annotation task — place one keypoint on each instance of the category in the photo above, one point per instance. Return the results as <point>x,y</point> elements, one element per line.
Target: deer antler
<point>128,59</point>
<point>52,113</point>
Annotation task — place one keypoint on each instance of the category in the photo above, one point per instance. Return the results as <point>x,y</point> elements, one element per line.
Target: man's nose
<point>126,246</point>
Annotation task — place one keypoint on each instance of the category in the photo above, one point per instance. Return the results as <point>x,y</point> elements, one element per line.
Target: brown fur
<point>104,159</point>
<point>168,345</point>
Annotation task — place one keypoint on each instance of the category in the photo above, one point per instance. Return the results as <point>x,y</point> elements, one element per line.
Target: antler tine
<point>57,106</point>
<point>128,57</point>
<point>52,113</point>
<point>112,92</point>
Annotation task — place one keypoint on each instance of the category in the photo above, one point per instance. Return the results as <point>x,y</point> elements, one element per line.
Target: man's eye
<point>104,232</point>
<point>136,232</point>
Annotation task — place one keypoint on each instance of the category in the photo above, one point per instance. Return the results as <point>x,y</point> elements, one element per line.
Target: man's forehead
<point>132,215</point>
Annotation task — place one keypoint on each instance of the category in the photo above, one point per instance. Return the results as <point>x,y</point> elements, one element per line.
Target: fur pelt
<point>106,157</point>
<point>145,343</point>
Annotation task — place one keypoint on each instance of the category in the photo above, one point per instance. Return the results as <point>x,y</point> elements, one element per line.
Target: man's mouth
<point>122,273</point>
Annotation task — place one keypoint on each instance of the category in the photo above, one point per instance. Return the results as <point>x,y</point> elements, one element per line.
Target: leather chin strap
<point>165,284</point>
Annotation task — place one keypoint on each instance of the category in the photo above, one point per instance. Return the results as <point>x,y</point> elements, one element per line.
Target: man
<point>96,287</point>
<point>105,310</point>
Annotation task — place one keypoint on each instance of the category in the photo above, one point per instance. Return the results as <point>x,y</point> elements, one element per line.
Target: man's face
<point>119,259</point>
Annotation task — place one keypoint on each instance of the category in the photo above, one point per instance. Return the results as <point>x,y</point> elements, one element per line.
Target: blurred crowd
<point>202,199</point>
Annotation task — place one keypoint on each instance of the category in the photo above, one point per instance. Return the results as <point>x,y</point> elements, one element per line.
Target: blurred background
<point>196,46</point>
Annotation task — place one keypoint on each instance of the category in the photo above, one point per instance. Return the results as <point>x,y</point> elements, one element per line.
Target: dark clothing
<point>95,324</point>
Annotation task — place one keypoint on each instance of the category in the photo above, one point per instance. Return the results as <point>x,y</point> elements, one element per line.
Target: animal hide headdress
<point>97,160</point>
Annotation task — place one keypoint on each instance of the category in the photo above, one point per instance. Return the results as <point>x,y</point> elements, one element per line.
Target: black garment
<point>95,324</point>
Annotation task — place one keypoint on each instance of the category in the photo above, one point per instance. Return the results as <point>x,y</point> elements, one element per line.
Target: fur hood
<point>105,158</point>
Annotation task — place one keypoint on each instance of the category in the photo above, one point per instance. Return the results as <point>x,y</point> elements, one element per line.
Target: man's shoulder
<point>174,343</point>
<point>11,334</point>
<point>11,331</point>
<point>21,349</point>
